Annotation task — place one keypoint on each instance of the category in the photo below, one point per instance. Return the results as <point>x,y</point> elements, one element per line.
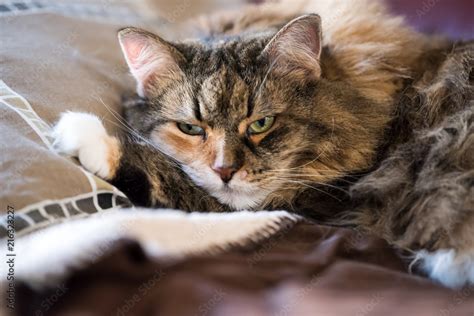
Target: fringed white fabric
<point>47,256</point>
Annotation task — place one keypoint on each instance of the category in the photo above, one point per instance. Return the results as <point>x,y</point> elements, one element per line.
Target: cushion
<point>50,64</point>
<point>63,56</point>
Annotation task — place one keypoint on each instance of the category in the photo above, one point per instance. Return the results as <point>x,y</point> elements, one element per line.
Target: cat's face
<point>240,115</point>
<point>232,139</point>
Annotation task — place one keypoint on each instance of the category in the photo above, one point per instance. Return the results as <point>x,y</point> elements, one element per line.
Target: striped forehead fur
<point>326,125</point>
<point>375,48</point>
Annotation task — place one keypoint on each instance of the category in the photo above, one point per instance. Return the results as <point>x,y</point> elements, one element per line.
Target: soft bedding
<point>47,70</point>
<point>78,249</point>
<point>264,263</point>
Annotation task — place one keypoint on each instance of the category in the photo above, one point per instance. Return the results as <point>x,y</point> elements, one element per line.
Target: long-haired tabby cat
<point>286,106</point>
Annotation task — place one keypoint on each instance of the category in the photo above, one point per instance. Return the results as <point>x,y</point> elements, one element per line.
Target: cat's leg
<point>450,267</point>
<point>421,199</point>
<point>445,234</point>
<point>83,135</point>
<point>440,229</point>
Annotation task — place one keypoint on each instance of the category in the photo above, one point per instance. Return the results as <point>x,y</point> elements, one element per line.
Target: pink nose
<point>226,173</point>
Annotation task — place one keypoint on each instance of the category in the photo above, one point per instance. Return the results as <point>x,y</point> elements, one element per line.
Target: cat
<point>268,108</point>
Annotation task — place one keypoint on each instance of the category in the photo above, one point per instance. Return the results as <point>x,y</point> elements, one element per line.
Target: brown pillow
<point>51,64</point>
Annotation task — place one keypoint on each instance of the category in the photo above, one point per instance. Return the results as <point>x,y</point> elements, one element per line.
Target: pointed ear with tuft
<point>152,61</point>
<point>296,48</point>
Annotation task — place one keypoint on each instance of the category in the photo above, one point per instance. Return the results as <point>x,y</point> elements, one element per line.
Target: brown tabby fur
<point>422,194</point>
<point>377,85</point>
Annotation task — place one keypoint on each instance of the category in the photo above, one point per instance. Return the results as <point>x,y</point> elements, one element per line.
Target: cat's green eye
<point>191,129</point>
<point>262,125</point>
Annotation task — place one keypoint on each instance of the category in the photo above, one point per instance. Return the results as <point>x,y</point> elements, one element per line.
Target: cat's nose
<point>226,173</point>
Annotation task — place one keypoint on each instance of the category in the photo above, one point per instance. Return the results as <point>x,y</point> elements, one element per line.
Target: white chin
<point>240,200</point>
<point>238,195</point>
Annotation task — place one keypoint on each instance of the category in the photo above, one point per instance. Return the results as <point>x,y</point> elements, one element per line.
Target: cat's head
<point>249,118</point>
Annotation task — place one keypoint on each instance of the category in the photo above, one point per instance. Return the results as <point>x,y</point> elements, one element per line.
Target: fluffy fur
<point>447,266</point>
<point>422,195</point>
<point>423,192</point>
<point>82,135</point>
<point>373,49</point>
<point>354,94</point>
<point>333,81</point>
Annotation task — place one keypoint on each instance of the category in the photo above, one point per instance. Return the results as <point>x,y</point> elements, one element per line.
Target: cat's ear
<point>297,46</point>
<point>152,61</point>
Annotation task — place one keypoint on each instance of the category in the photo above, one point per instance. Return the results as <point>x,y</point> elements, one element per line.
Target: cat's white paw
<point>82,135</point>
<point>447,267</point>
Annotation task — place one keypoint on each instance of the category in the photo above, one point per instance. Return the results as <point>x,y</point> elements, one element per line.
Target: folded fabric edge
<point>46,257</point>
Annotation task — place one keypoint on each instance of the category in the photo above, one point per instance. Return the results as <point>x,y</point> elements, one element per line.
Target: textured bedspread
<point>281,265</point>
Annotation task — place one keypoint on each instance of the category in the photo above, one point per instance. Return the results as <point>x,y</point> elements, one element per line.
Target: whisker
<point>135,133</point>
<point>316,174</point>
<point>314,188</point>
<point>324,171</point>
<point>147,142</point>
<point>318,183</point>
<point>259,90</point>
<point>284,181</point>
